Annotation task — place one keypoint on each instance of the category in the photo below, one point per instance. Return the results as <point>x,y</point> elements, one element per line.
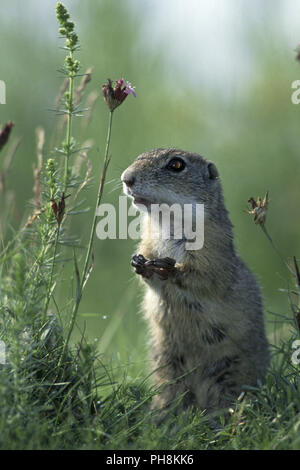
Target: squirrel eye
<point>176,164</point>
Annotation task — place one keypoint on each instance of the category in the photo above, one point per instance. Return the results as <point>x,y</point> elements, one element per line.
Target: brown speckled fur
<point>206,321</point>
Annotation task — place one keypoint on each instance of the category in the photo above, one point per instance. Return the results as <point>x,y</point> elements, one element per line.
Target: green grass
<point>94,406</point>
<point>84,402</point>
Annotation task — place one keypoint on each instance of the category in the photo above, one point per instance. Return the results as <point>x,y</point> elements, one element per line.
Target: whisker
<point>116,181</point>
<point>119,168</point>
<point>116,187</point>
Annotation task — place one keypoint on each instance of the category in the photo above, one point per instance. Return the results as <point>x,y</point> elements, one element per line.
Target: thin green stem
<point>99,197</point>
<point>276,249</point>
<point>65,178</point>
<point>69,130</point>
<point>92,232</point>
<point>298,283</point>
<point>51,274</point>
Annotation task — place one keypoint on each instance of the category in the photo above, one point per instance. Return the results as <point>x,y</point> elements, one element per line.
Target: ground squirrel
<point>205,313</point>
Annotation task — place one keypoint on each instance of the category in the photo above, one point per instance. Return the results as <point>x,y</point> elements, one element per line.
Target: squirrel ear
<point>212,171</point>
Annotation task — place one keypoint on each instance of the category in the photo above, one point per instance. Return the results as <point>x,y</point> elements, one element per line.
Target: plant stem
<point>100,192</point>
<point>85,271</point>
<point>69,130</point>
<point>65,180</point>
<point>276,249</point>
<point>51,274</point>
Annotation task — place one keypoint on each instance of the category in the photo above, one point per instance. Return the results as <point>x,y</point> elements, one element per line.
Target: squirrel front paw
<point>163,267</point>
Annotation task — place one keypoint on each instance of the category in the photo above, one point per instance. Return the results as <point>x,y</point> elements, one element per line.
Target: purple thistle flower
<point>129,89</point>
<point>114,96</point>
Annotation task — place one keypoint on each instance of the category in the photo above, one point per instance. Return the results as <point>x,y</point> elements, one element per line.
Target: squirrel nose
<point>128,179</point>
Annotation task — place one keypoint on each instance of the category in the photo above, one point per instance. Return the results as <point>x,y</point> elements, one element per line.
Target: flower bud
<point>62,13</point>
<point>58,209</point>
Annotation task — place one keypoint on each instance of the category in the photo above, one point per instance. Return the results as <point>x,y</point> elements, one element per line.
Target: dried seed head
<point>87,77</point>
<point>259,209</point>
<point>58,209</point>
<point>4,134</point>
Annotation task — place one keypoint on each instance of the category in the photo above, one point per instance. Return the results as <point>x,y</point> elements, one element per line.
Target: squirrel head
<point>168,176</point>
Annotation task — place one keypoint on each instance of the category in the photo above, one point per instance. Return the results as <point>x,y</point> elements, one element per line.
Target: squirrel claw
<point>160,266</point>
<point>138,262</point>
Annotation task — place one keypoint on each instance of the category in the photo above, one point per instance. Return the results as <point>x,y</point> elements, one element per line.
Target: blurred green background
<point>213,77</point>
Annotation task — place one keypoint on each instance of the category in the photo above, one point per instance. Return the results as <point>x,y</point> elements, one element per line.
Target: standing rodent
<point>205,313</point>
